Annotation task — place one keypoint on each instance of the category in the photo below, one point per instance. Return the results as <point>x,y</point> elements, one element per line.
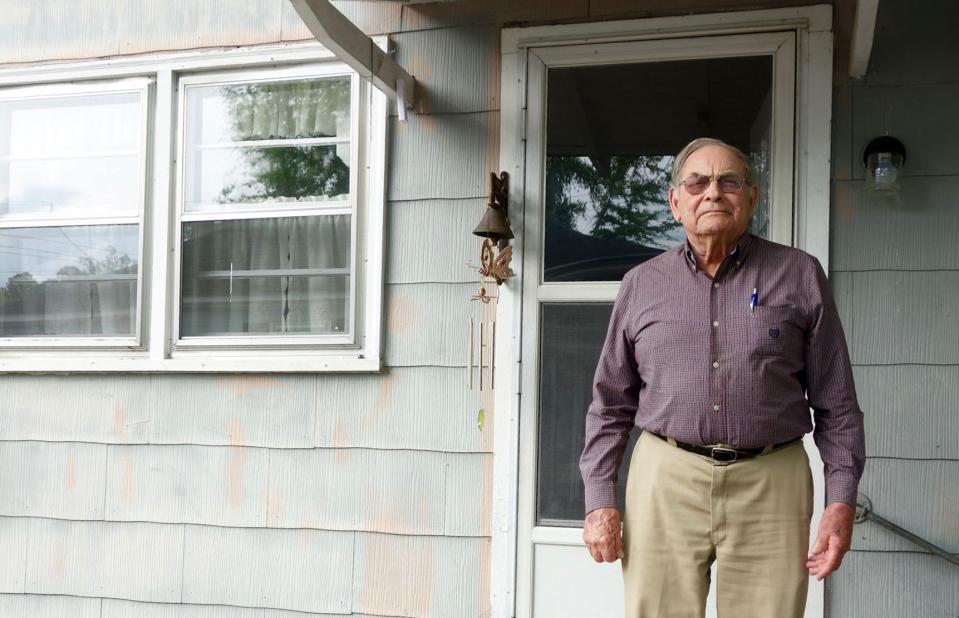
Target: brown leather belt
<point>726,454</point>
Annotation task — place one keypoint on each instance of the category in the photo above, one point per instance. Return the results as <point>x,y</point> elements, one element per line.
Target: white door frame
<point>810,229</point>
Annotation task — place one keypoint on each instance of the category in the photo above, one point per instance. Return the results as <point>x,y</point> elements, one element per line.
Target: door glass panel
<point>572,337</point>
<point>612,134</point>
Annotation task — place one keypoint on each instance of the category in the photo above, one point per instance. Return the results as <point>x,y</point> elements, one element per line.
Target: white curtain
<point>251,301</point>
<point>83,307</point>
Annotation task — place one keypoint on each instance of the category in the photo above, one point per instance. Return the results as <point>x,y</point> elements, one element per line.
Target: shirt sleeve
<point>611,414</point>
<point>831,392</point>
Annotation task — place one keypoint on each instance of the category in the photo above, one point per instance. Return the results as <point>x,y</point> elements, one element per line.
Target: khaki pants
<point>683,511</point>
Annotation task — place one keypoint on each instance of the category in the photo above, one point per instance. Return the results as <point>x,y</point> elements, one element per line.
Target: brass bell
<point>494,224</point>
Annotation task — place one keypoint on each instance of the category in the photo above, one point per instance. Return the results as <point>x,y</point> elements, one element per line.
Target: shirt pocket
<point>775,332</point>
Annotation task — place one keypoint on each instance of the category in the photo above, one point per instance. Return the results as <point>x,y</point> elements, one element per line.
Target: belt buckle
<point>723,454</point>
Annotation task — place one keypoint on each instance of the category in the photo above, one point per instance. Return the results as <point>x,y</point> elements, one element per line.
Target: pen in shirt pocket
<point>753,299</point>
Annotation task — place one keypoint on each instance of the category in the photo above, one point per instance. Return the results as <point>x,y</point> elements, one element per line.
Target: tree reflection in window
<point>69,281</point>
<point>759,165</point>
<point>605,215</point>
<point>286,141</point>
<point>290,111</point>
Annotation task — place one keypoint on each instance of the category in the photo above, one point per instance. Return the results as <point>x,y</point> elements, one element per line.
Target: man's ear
<point>674,204</point>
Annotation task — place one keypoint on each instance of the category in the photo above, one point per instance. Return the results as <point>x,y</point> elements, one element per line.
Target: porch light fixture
<point>884,157</point>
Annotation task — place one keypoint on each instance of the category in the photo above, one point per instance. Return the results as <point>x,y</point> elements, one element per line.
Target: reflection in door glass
<point>604,216</point>
<point>612,133</point>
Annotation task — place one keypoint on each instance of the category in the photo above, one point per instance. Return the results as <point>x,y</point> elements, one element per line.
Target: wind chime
<point>495,257</point>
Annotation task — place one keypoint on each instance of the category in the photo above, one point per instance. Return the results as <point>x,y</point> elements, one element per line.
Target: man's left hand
<point>832,541</point>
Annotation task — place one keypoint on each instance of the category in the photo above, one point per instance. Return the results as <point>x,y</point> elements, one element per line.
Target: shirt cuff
<point>600,495</point>
<point>842,488</point>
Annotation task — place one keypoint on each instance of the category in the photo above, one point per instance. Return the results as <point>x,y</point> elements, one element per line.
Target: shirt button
<point>715,364</point>
<point>716,408</point>
<point>715,323</point>
<point>716,285</point>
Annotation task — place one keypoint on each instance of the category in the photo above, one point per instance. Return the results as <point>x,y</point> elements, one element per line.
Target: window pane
<point>70,155</point>
<point>612,134</point>
<point>279,174</point>
<point>309,108</point>
<point>572,338</point>
<point>227,163</point>
<point>603,218</point>
<point>64,281</point>
<point>281,276</point>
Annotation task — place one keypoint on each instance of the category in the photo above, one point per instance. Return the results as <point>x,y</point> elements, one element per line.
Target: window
<point>72,164</point>
<point>266,208</point>
<point>248,240</point>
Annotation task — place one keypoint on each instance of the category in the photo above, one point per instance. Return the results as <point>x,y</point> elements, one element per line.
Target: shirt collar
<point>739,250</point>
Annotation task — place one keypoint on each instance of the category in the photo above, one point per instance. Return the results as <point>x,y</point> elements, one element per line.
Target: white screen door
<point>603,124</point>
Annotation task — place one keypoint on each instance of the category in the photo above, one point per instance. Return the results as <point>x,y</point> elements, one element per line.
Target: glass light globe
<point>883,172</point>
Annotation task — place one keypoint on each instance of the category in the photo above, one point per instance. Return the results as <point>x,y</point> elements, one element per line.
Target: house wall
<point>272,496</point>
<point>895,270</point>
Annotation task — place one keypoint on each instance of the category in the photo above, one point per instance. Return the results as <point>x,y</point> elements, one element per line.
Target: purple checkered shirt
<point>688,357</point>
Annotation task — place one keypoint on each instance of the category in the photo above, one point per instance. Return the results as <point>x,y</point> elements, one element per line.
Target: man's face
<point>713,212</point>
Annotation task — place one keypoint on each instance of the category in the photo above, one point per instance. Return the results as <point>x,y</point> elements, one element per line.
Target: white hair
<point>700,142</point>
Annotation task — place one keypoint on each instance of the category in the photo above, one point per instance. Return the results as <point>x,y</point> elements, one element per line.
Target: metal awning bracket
<point>864,512</point>
<point>360,52</point>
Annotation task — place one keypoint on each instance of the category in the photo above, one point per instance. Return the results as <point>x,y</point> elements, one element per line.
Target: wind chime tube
<point>492,356</point>
<point>482,344</point>
<point>470,360</point>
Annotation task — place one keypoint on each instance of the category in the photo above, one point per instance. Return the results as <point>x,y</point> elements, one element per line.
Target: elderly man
<point>717,349</point>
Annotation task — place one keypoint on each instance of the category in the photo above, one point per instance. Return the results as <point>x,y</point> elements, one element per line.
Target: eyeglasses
<point>728,183</point>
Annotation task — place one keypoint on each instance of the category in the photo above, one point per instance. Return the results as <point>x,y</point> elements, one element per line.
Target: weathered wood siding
<point>895,266</point>
<point>48,606</point>
<point>97,28</point>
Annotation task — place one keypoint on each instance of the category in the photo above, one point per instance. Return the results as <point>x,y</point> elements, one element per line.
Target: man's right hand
<point>602,532</point>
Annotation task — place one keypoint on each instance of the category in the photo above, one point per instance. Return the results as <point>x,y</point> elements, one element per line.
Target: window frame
<point>357,89</point>
<point>158,347</point>
<point>143,87</point>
